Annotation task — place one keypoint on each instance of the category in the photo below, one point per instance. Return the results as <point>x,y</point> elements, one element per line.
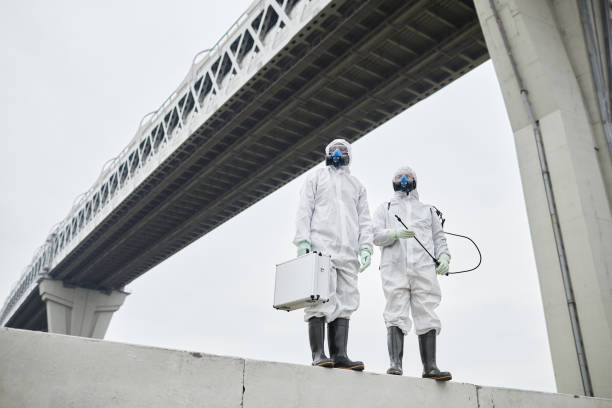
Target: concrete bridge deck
<point>50,370</point>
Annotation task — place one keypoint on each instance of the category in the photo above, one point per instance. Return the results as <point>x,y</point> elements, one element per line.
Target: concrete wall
<point>50,370</point>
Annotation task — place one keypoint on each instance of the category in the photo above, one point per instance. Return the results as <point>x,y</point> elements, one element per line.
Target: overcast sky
<point>76,77</point>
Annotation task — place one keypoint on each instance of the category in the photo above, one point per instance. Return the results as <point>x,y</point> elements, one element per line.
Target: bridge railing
<point>215,74</point>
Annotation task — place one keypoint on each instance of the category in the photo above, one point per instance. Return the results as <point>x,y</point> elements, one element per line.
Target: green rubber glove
<point>444,260</point>
<point>401,233</point>
<point>365,257</point>
<point>303,248</point>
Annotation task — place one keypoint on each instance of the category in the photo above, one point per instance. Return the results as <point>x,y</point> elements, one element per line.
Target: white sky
<point>75,79</point>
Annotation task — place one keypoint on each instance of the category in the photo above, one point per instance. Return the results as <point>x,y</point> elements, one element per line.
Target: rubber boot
<point>395,343</point>
<point>337,340</point>
<point>427,345</point>
<point>316,335</point>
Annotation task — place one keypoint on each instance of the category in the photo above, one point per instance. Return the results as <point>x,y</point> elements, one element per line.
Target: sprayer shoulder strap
<point>437,212</point>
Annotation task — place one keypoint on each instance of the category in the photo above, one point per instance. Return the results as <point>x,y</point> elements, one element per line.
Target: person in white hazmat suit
<point>408,273</point>
<point>333,218</point>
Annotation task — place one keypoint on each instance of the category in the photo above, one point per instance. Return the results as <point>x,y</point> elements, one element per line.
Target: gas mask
<point>404,184</point>
<point>337,158</point>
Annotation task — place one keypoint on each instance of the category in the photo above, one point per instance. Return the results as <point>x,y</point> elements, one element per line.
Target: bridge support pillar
<point>78,311</point>
<point>547,63</point>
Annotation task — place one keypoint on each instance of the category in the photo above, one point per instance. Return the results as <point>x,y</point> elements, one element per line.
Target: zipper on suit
<point>335,177</point>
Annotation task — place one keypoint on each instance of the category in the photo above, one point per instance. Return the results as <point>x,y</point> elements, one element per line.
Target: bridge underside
<point>32,314</point>
<point>352,68</point>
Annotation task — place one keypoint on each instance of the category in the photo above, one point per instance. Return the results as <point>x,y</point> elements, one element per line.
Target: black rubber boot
<point>427,345</point>
<point>316,335</point>
<point>337,338</point>
<point>395,343</point>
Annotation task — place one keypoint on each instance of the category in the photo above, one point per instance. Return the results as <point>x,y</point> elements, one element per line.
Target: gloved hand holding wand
<point>417,240</point>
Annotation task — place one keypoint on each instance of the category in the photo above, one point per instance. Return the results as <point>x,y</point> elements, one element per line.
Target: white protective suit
<point>408,274</point>
<point>334,216</point>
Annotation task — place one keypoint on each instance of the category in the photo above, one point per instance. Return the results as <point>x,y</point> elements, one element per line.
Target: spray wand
<point>417,240</point>
<point>449,233</point>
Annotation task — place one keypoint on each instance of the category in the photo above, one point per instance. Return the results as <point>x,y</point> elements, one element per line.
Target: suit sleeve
<point>305,210</point>
<point>439,239</point>
<point>381,232</point>
<point>365,221</point>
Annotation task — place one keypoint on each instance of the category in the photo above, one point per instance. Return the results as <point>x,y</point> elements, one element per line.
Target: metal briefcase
<point>302,281</point>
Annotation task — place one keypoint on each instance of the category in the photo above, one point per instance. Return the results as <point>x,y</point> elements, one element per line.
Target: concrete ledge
<point>287,385</point>
<point>50,370</point>
<point>490,397</point>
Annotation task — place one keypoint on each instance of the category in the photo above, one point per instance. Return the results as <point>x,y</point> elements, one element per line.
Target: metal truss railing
<point>215,75</point>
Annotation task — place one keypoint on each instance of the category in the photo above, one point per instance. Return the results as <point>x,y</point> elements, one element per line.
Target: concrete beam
<point>49,370</point>
<point>78,311</point>
<point>548,46</point>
